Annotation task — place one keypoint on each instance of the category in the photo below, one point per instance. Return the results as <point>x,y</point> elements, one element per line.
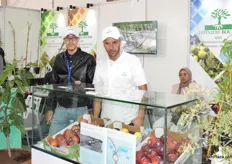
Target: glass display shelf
<point>62,99</point>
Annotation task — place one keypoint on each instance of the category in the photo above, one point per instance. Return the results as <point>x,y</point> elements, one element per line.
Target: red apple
<point>152,153</point>
<point>179,150</point>
<point>160,151</point>
<point>173,145</point>
<point>77,133</point>
<point>139,155</point>
<point>75,127</point>
<point>62,143</point>
<point>162,138</point>
<point>59,137</point>
<point>158,145</point>
<point>75,139</point>
<point>49,138</point>
<point>156,160</point>
<point>68,134</point>
<point>145,160</point>
<point>145,148</point>
<point>53,142</point>
<point>152,141</point>
<point>71,143</point>
<point>172,157</point>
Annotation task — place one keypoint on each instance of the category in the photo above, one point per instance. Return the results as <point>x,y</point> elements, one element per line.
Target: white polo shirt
<point>124,73</point>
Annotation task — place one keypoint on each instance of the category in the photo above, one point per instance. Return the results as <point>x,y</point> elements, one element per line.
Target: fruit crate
<point>90,119</point>
<point>151,149</point>
<point>134,130</point>
<point>69,152</point>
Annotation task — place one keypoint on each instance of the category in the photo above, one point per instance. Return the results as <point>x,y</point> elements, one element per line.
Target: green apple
<point>203,48</point>
<point>194,50</point>
<point>196,58</point>
<point>202,54</point>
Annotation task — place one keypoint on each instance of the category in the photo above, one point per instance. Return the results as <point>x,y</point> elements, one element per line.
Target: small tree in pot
<point>12,103</point>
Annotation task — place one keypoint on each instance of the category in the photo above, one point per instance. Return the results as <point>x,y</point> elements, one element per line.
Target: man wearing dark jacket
<point>73,66</point>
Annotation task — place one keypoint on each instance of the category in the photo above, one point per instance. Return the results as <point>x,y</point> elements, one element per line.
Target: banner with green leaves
<point>86,22</point>
<point>210,24</point>
<point>51,41</point>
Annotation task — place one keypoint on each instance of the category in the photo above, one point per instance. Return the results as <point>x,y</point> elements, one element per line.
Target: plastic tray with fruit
<point>134,130</point>
<point>151,150</point>
<point>65,143</point>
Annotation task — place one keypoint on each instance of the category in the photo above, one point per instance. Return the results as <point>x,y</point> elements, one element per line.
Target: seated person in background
<point>185,76</point>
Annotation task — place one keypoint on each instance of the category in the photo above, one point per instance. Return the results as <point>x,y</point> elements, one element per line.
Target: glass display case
<point>93,113</point>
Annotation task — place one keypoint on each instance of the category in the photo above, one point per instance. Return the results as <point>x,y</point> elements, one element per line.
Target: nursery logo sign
<point>53,26</point>
<point>83,25</point>
<point>219,15</point>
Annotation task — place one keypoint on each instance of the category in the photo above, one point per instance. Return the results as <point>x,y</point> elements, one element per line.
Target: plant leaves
<point>21,128</point>
<point>19,103</point>
<point>6,129</point>
<point>25,76</point>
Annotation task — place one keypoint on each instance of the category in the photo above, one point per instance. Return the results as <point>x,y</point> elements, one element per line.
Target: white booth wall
<point>173,36</point>
<point>19,19</point>
<point>173,32</point>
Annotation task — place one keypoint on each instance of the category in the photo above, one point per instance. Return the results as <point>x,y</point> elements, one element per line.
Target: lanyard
<point>69,69</point>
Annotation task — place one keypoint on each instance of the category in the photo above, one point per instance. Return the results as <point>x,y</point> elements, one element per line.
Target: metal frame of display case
<point>149,99</point>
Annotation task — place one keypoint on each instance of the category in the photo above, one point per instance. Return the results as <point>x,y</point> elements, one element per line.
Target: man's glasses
<point>70,39</point>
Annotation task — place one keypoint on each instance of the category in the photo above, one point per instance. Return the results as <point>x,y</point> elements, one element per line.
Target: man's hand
<point>138,121</point>
<point>77,82</point>
<point>49,116</point>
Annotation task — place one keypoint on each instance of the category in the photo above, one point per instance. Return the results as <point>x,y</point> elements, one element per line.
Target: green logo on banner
<point>83,25</point>
<point>219,14</point>
<point>53,26</point>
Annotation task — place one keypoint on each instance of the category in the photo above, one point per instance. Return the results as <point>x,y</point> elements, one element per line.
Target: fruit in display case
<point>145,160</point>
<point>152,141</point>
<point>152,153</point>
<point>53,142</point>
<point>172,157</point>
<point>75,128</point>
<point>68,133</point>
<point>68,138</point>
<point>59,137</point>
<point>153,150</point>
<point>124,130</point>
<point>138,134</point>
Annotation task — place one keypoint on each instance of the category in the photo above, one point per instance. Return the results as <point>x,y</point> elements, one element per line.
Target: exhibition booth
<point>192,127</point>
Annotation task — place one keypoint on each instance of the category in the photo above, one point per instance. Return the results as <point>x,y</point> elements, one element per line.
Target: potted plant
<point>219,128</point>
<point>35,66</point>
<point>216,127</point>
<point>11,108</point>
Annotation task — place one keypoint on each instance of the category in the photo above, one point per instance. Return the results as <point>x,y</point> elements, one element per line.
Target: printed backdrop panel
<point>210,24</point>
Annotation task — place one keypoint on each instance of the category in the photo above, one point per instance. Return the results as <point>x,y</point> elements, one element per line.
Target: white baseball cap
<point>70,30</point>
<point>110,32</point>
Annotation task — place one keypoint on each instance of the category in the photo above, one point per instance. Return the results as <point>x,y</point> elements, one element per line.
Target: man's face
<point>112,47</point>
<point>71,42</point>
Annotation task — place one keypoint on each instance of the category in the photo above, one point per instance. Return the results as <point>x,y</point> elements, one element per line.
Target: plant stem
<point>28,36</point>
<point>220,110</point>
<point>8,146</point>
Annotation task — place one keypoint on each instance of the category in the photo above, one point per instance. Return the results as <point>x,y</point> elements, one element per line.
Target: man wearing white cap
<point>121,70</point>
<point>71,66</point>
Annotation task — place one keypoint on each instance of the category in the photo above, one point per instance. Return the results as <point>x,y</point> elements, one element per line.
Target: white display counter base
<point>39,157</point>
